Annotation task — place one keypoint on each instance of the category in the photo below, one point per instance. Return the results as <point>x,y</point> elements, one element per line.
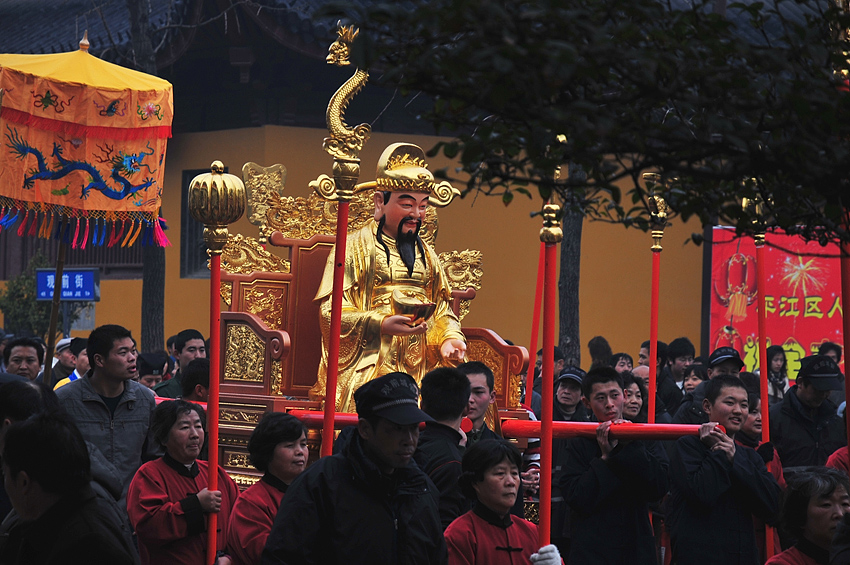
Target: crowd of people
<point>119,476</point>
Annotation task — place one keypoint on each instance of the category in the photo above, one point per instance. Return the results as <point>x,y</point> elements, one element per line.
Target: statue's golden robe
<point>367,299</point>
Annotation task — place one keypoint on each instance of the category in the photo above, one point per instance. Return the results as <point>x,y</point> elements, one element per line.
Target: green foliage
<point>706,99</point>
<point>23,315</point>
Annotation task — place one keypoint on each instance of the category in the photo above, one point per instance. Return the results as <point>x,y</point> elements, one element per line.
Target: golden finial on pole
<point>551,231</point>
<point>658,210</point>
<point>216,199</point>
<point>757,206</point>
<point>84,42</point>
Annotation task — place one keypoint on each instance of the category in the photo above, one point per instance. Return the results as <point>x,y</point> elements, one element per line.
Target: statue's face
<point>404,211</point>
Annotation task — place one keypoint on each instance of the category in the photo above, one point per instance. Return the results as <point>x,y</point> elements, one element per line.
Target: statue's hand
<point>453,351</point>
<point>400,325</point>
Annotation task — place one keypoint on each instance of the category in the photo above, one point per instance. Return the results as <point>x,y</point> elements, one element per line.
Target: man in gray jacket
<point>112,411</point>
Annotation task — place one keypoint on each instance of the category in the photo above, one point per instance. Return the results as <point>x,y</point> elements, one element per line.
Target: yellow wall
<point>615,270</point>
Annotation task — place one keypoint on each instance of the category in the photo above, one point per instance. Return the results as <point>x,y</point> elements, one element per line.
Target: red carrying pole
<point>845,296</point>
<point>653,333</point>
<point>535,317</point>
<point>549,308</point>
<point>336,324</point>
<point>764,370</point>
<point>624,431</point>
<point>212,400</point>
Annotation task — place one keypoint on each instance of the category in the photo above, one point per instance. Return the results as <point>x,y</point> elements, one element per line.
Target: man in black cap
<point>368,503</point>
<point>722,361</point>
<point>805,427</point>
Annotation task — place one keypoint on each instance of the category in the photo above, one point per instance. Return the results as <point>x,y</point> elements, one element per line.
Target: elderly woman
<point>634,394</point>
<point>815,503</point>
<point>488,534</point>
<point>278,448</point>
<point>169,502</point>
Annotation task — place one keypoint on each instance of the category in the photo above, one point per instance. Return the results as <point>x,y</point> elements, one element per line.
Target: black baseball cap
<point>722,354</point>
<point>150,364</point>
<point>394,396</point>
<point>821,372</point>
<point>574,373</point>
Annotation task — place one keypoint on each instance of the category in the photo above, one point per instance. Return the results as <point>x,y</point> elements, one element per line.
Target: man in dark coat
<point>369,503</point>
<point>568,408</point>
<point>717,486</point>
<point>608,483</point>
<point>445,397</point>
<point>805,427</point>
<point>60,520</point>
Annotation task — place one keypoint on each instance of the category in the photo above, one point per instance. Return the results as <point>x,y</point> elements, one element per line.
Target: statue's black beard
<point>406,243</point>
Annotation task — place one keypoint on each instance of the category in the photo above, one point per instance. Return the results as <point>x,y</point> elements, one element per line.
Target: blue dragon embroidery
<point>122,164</point>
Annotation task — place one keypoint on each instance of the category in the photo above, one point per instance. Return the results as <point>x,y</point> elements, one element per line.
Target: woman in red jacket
<point>278,448</point>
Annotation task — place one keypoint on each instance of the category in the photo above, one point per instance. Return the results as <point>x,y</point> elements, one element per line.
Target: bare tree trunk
<point>568,287</point>
<point>153,257</point>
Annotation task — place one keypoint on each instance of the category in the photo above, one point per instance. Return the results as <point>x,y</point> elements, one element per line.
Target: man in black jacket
<point>445,397</point>
<point>369,503</point>
<point>805,427</point>
<point>47,470</point>
<point>608,483</point>
<point>717,486</point>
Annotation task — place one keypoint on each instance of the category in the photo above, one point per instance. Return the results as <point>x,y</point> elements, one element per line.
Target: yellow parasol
<point>83,149</point>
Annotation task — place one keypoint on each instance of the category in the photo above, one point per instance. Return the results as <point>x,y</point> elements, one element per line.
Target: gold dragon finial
<point>344,143</point>
<point>658,210</point>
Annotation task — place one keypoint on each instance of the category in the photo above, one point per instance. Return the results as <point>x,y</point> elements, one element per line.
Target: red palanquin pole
<point>550,235</point>
<point>216,199</point>
<point>658,219</point>
<point>845,296</point>
<point>764,369</point>
<point>535,317</point>
<point>212,399</point>
<point>653,334</point>
<point>336,324</point>
<point>624,431</point>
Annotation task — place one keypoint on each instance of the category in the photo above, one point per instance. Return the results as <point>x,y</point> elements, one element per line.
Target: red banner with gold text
<point>802,298</point>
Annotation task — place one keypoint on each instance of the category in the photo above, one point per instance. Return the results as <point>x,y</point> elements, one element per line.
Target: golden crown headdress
<point>402,168</point>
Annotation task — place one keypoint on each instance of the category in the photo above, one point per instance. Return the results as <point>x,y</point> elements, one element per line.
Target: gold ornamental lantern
<point>216,199</point>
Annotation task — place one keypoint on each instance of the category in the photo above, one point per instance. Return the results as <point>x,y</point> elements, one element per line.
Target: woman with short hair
<point>278,448</point>
<point>816,500</point>
<point>168,502</point>
<point>488,534</point>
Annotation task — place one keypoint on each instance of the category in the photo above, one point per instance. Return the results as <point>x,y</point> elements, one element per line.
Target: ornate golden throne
<point>271,340</point>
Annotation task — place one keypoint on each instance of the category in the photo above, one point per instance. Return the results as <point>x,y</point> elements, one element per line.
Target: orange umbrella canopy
<point>83,146</point>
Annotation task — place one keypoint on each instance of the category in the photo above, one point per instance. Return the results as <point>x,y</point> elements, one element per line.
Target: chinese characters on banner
<point>802,298</point>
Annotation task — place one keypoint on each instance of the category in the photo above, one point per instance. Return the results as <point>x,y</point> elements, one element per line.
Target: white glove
<point>546,555</point>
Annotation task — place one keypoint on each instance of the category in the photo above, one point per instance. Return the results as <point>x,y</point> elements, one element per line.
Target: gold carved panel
<point>463,270</point>
<point>266,301</point>
<point>226,292</point>
<point>277,372</point>
<point>237,459</point>
<point>236,441</point>
<point>243,481</point>
<point>245,355</point>
<point>240,415</point>
<point>244,255</point>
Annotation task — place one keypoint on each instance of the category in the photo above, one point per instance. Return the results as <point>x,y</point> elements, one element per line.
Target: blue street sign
<point>78,285</point>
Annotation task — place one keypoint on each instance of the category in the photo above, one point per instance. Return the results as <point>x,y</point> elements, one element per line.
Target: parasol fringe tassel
<point>136,235</point>
<point>129,235</point>
<point>85,235</point>
<point>43,226</point>
<point>159,233</point>
<point>23,227</point>
<point>74,243</point>
<point>102,233</point>
<point>94,232</point>
<point>2,215</point>
<point>57,233</point>
<point>49,229</point>
<point>12,219</point>
<point>117,232</point>
<point>33,225</point>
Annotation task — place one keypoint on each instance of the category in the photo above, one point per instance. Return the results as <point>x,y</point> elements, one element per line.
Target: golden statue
<point>392,280</point>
